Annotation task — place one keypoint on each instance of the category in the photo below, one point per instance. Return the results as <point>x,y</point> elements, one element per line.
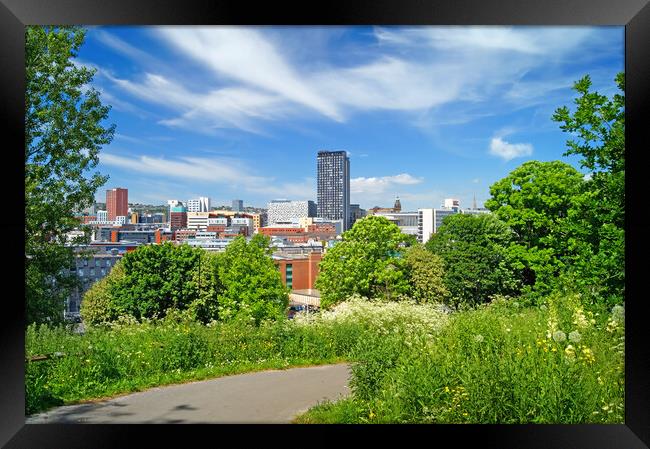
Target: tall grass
<point>499,364</point>
<point>130,357</point>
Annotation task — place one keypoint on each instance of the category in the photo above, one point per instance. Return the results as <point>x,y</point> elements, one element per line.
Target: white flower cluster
<point>386,316</point>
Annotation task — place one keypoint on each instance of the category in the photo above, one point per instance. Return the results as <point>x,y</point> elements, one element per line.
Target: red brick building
<point>299,271</point>
<point>178,220</point>
<point>117,203</point>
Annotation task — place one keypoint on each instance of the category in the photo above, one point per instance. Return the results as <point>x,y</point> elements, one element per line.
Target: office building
<point>201,204</point>
<point>117,203</point>
<point>197,221</point>
<point>177,216</point>
<point>356,213</point>
<point>289,212</point>
<point>89,269</point>
<point>451,203</point>
<point>298,271</point>
<point>333,188</point>
<point>407,222</point>
<point>237,205</point>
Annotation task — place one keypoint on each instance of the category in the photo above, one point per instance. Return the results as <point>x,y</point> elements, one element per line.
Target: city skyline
<point>424,113</point>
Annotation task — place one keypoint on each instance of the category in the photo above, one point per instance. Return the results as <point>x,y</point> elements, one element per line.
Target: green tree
<point>97,306</point>
<point>535,200</point>
<point>426,275</point>
<point>157,278</point>
<point>368,261</point>
<point>205,306</point>
<point>251,283</point>
<point>596,222</point>
<point>474,251</point>
<point>64,132</point>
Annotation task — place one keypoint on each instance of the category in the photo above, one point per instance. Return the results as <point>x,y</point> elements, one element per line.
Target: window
<point>289,275</point>
<point>81,272</point>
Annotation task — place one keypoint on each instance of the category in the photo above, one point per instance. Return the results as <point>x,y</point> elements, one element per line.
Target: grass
<point>498,364</point>
<point>501,363</point>
<point>106,362</point>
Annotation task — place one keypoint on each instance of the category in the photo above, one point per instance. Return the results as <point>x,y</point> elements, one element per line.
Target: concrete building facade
<point>287,211</point>
<point>333,186</point>
<point>201,204</point>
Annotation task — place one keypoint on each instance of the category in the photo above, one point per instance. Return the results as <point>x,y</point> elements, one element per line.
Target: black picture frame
<point>633,14</point>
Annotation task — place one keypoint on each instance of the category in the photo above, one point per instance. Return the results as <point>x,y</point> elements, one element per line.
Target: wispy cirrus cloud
<point>230,172</point>
<point>247,56</point>
<point>252,78</point>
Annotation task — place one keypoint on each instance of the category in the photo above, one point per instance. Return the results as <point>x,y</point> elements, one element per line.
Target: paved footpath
<point>261,397</point>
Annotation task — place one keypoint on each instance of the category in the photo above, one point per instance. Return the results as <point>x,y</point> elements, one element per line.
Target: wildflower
<point>579,318</point>
<point>478,338</point>
<point>587,355</point>
<point>574,336</point>
<point>559,336</point>
<point>618,313</point>
<point>570,351</point>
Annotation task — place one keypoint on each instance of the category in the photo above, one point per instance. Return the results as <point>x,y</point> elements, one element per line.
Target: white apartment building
<point>287,211</point>
<point>451,203</point>
<point>242,222</point>
<point>197,221</point>
<point>218,221</point>
<point>201,204</point>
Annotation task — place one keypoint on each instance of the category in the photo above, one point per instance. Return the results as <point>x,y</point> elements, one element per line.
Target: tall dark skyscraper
<point>334,186</point>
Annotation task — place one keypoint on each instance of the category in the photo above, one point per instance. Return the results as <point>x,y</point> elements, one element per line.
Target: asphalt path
<point>275,396</point>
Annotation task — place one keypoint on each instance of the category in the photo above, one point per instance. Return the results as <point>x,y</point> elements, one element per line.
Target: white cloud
<point>256,75</point>
<point>246,56</point>
<point>227,107</point>
<point>508,151</point>
<point>524,40</point>
<point>120,46</point>
<point>218,171</point>
<point>375,185</point>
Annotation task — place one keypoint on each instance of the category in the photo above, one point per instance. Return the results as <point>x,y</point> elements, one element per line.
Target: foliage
<point>474,251</point>
<point>596,222</point>
<point>63,135</point>
<point>500,363</point>
<point>367,262</point>
<point>157,278</point>
<point>131,356</point>
<point>426,275</point>
<point>252,284</point>
<point>535,200</point>
<point>97,306</point>
<point>154,280</point>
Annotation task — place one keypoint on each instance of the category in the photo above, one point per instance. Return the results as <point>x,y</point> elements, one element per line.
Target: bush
<point>97,306</point>
<point>500,363</point>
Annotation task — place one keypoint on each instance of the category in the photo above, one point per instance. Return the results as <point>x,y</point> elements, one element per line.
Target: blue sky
<point>425,113</point>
